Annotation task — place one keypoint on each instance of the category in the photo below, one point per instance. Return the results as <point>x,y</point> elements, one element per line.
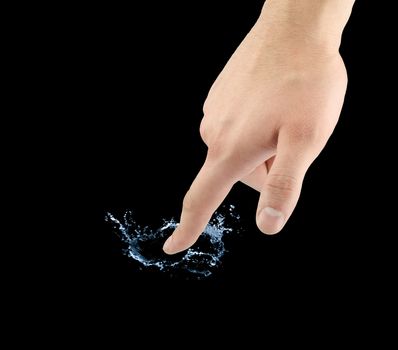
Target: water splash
<point>145,244</point>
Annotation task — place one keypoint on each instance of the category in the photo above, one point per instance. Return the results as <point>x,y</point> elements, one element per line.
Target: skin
<point>269,114</point>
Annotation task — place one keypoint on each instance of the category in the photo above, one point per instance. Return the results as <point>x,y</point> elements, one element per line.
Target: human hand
<point>266,118</point>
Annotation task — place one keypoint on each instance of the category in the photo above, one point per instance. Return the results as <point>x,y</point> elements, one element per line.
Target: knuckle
<point>229,154</point>
<point>224,145</point>
<point>217,149</point>
<point>218,142</point>
<point>191,205</point>
<point>281,184</point>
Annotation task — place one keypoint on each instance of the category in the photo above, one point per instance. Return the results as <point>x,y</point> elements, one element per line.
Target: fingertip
<point>176,244</point>
<point>270,221</point>
<point>167,246</point>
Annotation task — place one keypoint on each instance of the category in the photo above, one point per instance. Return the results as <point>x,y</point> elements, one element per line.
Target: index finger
<point>208,190</point>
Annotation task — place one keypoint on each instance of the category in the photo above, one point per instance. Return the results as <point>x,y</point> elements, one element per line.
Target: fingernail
<point>272,220</point>
<point>167,245</point>
<point>273,212</point>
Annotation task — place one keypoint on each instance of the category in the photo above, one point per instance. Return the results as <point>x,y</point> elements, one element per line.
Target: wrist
<point>305,24</point>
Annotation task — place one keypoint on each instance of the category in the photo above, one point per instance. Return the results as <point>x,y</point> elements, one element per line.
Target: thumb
<point>281,189</point>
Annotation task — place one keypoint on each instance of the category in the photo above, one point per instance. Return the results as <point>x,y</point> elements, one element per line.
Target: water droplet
<point>145,244</point>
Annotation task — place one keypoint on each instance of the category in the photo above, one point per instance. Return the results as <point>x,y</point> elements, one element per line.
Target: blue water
<point>144,244</point>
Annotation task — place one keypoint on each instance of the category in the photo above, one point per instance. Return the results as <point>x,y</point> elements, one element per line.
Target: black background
<point>134,82</point>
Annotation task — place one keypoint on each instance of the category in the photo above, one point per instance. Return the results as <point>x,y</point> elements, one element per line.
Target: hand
<point>266,118</point>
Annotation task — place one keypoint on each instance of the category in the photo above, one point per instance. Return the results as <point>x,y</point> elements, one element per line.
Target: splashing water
<point>145,244</point>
